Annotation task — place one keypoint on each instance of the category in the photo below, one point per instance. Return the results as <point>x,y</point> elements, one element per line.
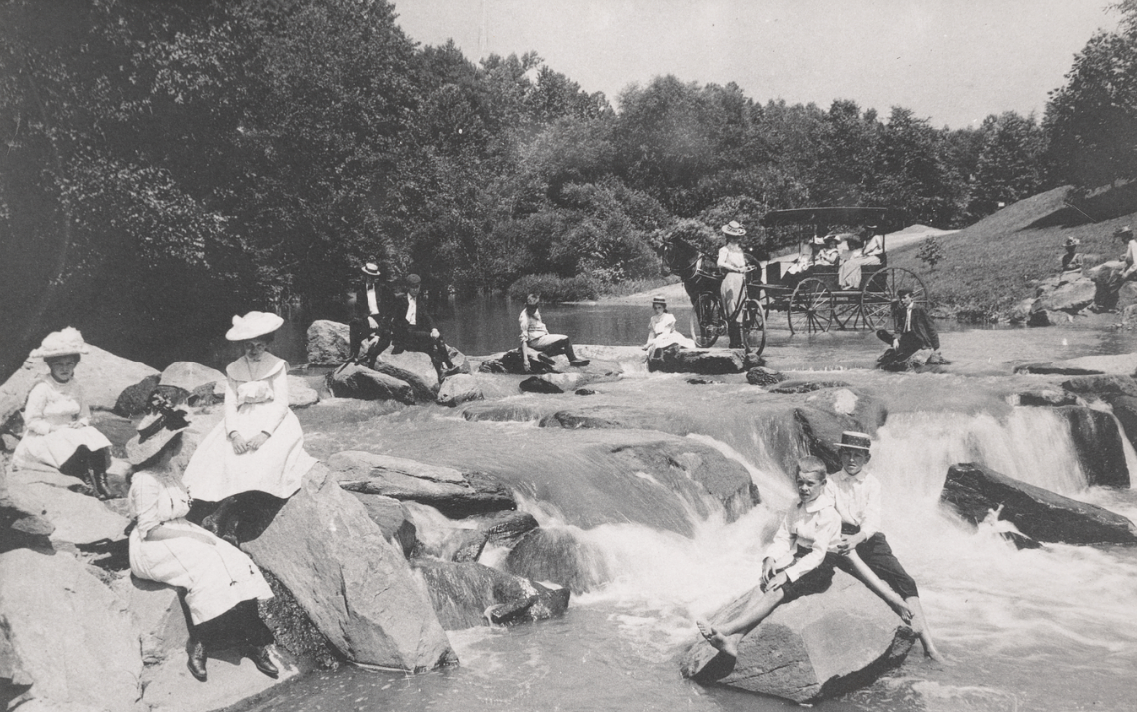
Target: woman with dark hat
<point>259,445</point>
<point>661,331</point>
<point>732,261</point>
<point>222,585</point>
<point>58,433</point>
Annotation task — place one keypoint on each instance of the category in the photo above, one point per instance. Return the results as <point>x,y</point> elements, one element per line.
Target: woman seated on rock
<point>58,433</point>
<point>258,447</point>
<point>222,584</point>
<point>661,331</point>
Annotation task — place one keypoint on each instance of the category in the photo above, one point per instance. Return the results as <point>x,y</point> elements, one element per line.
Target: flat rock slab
<point>813,648</point>
<point>706,362</point>
<point>354,381</point>
<point>232,678</point>
<point>468,594</point>
<point>973,491</point>
<point>1061,369</point>
<point>77,518</point>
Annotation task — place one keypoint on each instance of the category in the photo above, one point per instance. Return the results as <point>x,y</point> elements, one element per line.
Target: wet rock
<point>1050,368</point>
<point>66,635</point>
<point>454,493</point>
<point>506,528</point>
<point>510,362</point>
<point>973,491</point>
<point>329,554</point>
<point>354,381</point>
<point>584,392</point>
<point>762,376</point>
<point>1047,397</point>
<point>469,594</point>
<point>328,343</point>
<point>607,416</point>
<point>537,384</point>
<point>1098,443</point>
<point>300,394</point>
<point>463,545</point>
<point>1102,385</point>
<point>498,411</point>
<point>807,386</point>
<point>569,381</point>
<point>556,555</point>
<point>1125,410</point>
<point>458,389</point>
<point>413,368</point>
<point>702,361</point>
<point>133,400</point>
<point>815,647</point>
<point>702,381</point>
<point>830,412</point>
<point>393,519</point>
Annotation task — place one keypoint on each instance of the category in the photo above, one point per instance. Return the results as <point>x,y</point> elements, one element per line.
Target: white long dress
<point>216,576</point>
<point>256,400</point>
<point>50,440</point>
<point>664,333</point>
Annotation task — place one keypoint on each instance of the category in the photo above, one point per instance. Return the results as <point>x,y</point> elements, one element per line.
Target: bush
<point>553,288</point>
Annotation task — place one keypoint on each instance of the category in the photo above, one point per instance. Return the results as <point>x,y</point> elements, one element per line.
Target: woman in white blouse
<point>732,261</point>
<point>661,331</point>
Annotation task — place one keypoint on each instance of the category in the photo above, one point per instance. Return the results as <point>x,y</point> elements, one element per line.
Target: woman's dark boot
<point>196,662</point>
<point>260,657</point>
<point>97,471</point>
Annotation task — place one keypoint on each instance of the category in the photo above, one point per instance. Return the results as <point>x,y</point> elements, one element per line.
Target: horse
<point>693,267</point>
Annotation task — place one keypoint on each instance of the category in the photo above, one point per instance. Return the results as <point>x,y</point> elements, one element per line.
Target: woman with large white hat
<point>732,261</point>
<point>259,445</point>
<point>58,432</point>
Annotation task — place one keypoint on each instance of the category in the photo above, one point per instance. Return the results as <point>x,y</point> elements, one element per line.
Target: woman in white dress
<point>661,331</point>
<point>58,433</point>
<point>869,254</point>
<point>259,446</point>
<point>222,585</point>
<point>732,261</point>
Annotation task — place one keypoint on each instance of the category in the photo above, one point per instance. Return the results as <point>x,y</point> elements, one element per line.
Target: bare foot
<point>938,657</point>
<point>718,641</point>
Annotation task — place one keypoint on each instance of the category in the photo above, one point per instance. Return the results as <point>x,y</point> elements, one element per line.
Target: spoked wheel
<point>880,294</point>
<point>707,321</point>
<point>847,311</point>
<point>753,328</point>
<point>810,308</point>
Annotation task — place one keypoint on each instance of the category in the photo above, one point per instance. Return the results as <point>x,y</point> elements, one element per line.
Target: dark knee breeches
<point>878,556</point>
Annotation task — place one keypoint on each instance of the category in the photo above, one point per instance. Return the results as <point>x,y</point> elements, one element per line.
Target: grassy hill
<point>991,265</point>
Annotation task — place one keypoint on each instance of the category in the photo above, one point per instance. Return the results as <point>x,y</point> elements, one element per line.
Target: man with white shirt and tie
<point>414,330</point>
<point>915,332</point>
<point>369,329</point>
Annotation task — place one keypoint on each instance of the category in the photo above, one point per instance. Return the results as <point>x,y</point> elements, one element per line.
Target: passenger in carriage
<point>828,256</point>
<point>870,253</point>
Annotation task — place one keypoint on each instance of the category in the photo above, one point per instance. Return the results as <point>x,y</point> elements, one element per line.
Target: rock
<point>1125,410</point>
<point>702,361</point>
<point>570,381</point>
<point>1021,311</point>
<point>1098,443</point>
<point>537,384</point>
<point>584,392</point>
<point>454,493</point>
<point>1047,397</point>
<point>232,679</point>
<point>463,545</point>
<point>973,491</point>
<point>1048,368</point>
<point>506,528</point>
<point>354,381</point>
<point>762,376</point>
<point>458,389</point>
<point>815,647</point>
<point>607,416</point>
<point>556,555</point>
<point>807,386</point>
<point>510,362</point>
<point>77,518</point>
<point>1102,386</point>
<point>702,381</point>
<point>469,594</point>
<point>300,394</point>
<point>133,400</point>
<point>1044,317</point>
<point>413,368</point>
<point>328,343</point>
<point>517,411</point>
<point>356,587</point>
<point>1070,297</point>
<point>190,376</point>
<point>830,412</point>
<point>393,519</point>
<point>8,442</point>
<point>20,528</point>
<point>66,634</point>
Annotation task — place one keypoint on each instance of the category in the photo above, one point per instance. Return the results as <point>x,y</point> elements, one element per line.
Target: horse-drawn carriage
<point>812,299</point>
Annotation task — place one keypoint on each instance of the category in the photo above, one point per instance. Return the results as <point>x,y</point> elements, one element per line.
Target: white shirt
<point>532,327</point>
<point>815,526</point>
<point>732,258</point>
<point>372,300</point>
<point>412,310</point>
<point>857,500</point>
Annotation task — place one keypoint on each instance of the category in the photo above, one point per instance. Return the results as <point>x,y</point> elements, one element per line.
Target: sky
<point>951,61</point>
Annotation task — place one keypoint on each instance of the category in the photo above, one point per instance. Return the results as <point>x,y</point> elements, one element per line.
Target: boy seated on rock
<point>856,494</point>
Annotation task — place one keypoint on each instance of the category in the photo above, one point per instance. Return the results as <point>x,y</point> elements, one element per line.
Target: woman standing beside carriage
<point>732,261</point>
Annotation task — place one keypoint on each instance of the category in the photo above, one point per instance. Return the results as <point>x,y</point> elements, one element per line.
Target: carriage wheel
<point>753,328</point>
<point>707,322</point>
<point>880,293</point>
<point>811,307</point>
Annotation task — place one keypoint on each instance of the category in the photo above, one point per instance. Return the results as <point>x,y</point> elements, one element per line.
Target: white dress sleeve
<point>33,410</point>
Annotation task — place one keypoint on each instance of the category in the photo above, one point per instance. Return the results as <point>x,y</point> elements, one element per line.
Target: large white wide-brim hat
<point>139,451</point>
<point>68,342</point>
<point>734,228</point>
<point>252,325</point>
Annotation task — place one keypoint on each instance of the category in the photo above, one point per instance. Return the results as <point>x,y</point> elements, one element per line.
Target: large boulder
<point>815,647</point>
<point>457,389</point>
<point>1070,297</point>
<point>66,635</point>
<point>76,518</point>
<point>355,586</point>
<point>1099,445</point>
<point>1102,385</point>
<point>413,368</point>
<point>454,493</point>
<point>354,381</point>
<point>707,362</point>
<point>328,343</point>
<point>468,594</point>
<point>556,555</point>
<point>133,400</point>
<point>393,519</point>
<point>828,412</point>
<point>300,394</point>
<point>973,491</point>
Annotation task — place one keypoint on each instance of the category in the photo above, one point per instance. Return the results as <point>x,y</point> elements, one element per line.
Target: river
<point>1048,630</point>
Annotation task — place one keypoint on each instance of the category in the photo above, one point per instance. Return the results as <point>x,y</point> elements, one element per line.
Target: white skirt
<point>57,447</point>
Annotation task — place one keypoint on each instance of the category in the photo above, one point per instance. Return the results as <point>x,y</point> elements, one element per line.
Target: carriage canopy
<point>883,218</point>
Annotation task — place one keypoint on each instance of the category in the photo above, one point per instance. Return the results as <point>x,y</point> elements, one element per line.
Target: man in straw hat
<point>1109,276</point>
<point>856,494</point>
<point>413,329</point>
<point>370,327</point>
<point>1071,260</point>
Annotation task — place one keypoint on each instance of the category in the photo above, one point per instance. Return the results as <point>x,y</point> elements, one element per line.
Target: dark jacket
<point>359,309</point>
<point>922,330</point>
<point>399,306</point>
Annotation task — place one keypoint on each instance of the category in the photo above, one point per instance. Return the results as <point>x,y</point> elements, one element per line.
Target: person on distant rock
<point>258,448</point>
<point>856,493</point>
<point>536,339</point>
<point>661,331</point>
<point>869,254</point>
<point>914,332</point>
<point>1109,276</point>
<point>222,585</point>
<point>370,327</point>
<point>732,291</point>
<point>58,433</point>
<point>1071,260</point>
<point>414,330</point>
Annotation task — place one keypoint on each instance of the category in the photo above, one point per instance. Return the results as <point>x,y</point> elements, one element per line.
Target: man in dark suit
<point>413,329</point>
<point>915,332</point>
<point>369,330</point>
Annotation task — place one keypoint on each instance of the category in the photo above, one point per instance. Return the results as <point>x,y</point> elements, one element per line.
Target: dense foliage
<point>170,162</point>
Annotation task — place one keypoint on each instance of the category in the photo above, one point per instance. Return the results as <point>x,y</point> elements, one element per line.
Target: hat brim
<point>139,452</point>
<point>731,232</point>
<point>369,273</point>
<point>847,446</point>
<point>250,330</point>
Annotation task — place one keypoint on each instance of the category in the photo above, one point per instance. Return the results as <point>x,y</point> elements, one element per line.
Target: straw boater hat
<point>852,440</point>
<point>734,229</point>
<point>68,342</point>
<point>1124,231</point>
<point>658,300</point>
<point>1072,242</point>
<point>154,433</point>
<point>252,325</point>
<point>371,269</point>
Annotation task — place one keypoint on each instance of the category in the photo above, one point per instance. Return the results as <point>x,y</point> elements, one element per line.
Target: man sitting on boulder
<point>1109,276</point>
<point>414,330</point>
<point>915,332</point>
<point>536,339</point>
<point>369,330</point>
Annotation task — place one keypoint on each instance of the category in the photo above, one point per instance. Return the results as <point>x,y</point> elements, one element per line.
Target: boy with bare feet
<point>857,496</point>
